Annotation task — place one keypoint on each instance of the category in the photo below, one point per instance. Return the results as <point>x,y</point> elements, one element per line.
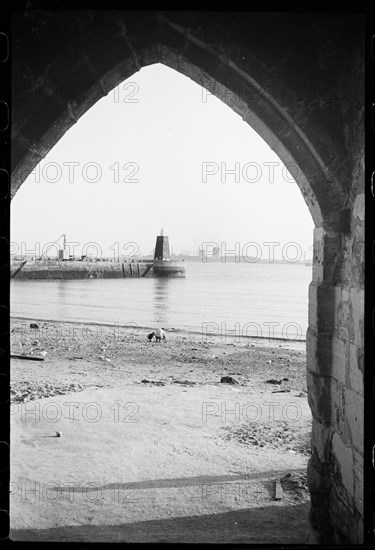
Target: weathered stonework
<point>298,80</point>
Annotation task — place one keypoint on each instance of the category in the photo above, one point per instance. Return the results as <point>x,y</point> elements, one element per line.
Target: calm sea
<point>263,300</point>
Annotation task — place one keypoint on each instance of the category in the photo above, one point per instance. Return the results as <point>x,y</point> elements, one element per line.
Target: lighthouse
<point>163,265</point>
<point>162,247</point>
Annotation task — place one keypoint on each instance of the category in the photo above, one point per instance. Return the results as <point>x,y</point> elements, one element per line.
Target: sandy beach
<point>153,445</point>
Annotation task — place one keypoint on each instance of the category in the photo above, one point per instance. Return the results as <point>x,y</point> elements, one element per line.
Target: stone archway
<point>311,116</point>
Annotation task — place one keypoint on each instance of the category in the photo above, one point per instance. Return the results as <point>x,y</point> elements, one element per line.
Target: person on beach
<point>160,335</point>
<point>151,336</point>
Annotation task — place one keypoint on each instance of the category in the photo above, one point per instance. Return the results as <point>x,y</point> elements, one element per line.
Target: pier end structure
<point>162,250</point>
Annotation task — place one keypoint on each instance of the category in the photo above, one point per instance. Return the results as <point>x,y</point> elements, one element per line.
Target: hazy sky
<point>153,153</point>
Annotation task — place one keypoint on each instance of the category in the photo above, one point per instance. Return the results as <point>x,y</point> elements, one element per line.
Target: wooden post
<point>278,490</point>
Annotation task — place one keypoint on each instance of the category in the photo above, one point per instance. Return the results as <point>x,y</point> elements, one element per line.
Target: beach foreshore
<point>183,438</point>
<point>79,354</point>
<point>57,329</point>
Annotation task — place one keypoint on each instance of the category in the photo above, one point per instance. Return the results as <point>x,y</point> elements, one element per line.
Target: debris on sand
<point>25,391</point>
<point>29,357</point>
<point>296,484</point>
<point>154,382</point>
<point>228,380</point>
<point>277,381</point>
<point>284,436</point>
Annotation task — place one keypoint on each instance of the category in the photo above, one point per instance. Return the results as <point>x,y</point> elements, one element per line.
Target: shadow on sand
<point>271,523</point>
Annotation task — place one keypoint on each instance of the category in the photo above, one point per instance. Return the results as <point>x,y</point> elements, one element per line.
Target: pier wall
<point>84,270</point>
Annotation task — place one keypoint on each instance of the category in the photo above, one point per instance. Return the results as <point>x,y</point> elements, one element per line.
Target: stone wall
<point>84,270</point>
<point>335,348</point>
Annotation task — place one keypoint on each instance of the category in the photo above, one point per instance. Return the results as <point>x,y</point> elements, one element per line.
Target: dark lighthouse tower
<point>162,247</point>
<point>163,265</point>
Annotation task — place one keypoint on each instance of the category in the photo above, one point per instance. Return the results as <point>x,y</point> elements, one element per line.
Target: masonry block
<point>340,359</point>
<point>325,399</point>
<point>360,539</point>
<point>355,369</point>
<point>359,207</point>
<point>345,459</point>
<point>354,413</point>
<point>344,518</point>
<point>321,440</point>
<point>356,326</point>
<point>318,255</point>
<point>320,521</point>
<point>328,298</point>
<point>328,256</point>
<point>327,355</point>
<point>358,481</point>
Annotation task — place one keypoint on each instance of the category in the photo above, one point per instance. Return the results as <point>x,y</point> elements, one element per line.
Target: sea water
<point>265,300</point>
